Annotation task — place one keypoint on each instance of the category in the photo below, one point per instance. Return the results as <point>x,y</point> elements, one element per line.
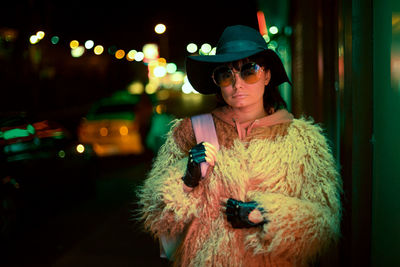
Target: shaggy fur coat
<point>287,168</point>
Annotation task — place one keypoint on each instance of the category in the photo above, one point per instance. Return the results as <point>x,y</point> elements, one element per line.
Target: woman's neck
<point>249,113</point>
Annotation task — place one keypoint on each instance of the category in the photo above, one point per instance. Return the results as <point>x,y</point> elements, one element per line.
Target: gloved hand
<point>202,152</point>
<point>237,213</point>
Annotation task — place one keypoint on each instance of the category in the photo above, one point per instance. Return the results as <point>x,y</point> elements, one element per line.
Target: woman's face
<point>240,94</point>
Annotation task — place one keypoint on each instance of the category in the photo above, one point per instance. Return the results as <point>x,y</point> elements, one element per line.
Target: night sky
<point>130,24</point>
<point>45,81</point>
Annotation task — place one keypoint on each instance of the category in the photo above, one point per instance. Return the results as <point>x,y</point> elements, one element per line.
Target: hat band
<point>239,46</point>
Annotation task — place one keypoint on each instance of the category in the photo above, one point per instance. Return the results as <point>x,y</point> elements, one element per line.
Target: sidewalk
<point>96,232</point>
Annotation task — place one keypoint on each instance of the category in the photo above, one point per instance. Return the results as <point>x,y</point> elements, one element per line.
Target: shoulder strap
<point>204,130</point>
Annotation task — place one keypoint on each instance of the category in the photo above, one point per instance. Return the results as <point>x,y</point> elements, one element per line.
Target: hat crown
<point>236,43</point>
<point>240,38</point>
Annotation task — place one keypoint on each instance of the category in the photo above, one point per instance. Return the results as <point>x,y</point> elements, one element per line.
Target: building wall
<point>386,167</point>
<point>346,75</point>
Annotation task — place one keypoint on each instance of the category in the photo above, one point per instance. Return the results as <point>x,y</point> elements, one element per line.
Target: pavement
<point>97,230</point>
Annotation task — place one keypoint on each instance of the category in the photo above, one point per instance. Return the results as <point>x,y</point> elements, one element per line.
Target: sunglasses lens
<point>222,76</point>
<point>250,72</point>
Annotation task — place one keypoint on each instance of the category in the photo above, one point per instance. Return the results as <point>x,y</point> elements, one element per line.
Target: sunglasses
<point>249,72</point>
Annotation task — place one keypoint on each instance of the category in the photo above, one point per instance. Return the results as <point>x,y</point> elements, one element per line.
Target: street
<point>96,230</point>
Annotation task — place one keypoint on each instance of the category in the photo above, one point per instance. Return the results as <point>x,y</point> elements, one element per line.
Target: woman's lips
<point>239,96</point>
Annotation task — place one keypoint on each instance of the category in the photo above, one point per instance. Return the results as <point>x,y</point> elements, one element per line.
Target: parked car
<point>115,126</point>
<point>42,168</point>
<point>35,140</point>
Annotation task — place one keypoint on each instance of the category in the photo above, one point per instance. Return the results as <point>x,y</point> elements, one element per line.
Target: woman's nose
<point>237,81</point>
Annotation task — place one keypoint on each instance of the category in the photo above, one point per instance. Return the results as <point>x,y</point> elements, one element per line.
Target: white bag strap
<point>204,130</point>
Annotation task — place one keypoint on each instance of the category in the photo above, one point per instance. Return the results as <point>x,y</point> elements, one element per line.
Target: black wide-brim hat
<point>236,43</point>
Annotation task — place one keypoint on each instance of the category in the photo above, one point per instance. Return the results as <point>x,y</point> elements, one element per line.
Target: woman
<point>272,194</point>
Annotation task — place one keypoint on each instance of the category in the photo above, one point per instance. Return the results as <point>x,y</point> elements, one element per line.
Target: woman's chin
<point>239,104</point>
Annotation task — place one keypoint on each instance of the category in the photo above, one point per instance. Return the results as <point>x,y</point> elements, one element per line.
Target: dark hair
<point>273,100</point>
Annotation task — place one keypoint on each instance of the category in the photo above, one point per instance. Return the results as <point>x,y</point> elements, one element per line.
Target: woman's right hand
<point>202,152</point>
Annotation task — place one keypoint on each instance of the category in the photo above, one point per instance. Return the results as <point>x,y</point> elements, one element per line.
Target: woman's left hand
<point>255,216</point>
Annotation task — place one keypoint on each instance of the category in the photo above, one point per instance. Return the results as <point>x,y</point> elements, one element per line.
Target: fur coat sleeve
<point>302,197</point>
<point>164,207</point>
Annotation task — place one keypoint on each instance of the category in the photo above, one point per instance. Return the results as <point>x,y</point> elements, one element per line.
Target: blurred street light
<point>191,48</point>
<point>136,88</point>
<point>130,56</point>
<point>55,39</point>
<point>273,30</point>
<point>213,51</point>
<point>139,56</point>
<point>74,44</point>
<point>187,88</point>
<point>80,148</point>
<point>206,48</point>
<point>171,68</point>
<point>150,52</point>
<point>40,35</point>
<point>78,51</point>
<point>33,39</point>
<point>160,28</point>
<point>89,44</point>
<point>120,54</point>
<point>160,71</point>
<point>99,49</point>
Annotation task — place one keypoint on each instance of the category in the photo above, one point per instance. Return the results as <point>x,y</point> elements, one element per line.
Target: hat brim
<point>199,69</point>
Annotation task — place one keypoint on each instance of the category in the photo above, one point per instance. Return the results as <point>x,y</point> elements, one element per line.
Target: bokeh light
<point>40,35</point>
<point>123,130</point>
<point>273,45</point>
<point>273,30</point>
<point>74,44</point>
<point>288,30</point>
<point>89,44</point>
<point>139,56</point>
<point>150,51</point>
<point>191,48</point>
<point>55,39</point>
<point>171,67</point>
<point>213,51</point>
<point>162,61</point>
<point>206,48</point>
<point>187,88</point>
<point>161,108</point>
<point>98,49</point>
<point>136,88</point>
<point>80,148</point>
<point>61,154</point>
<point>33,39</point>
<point>151,87</point>
<point>160,28</point>
<point>78,52</point>
<point>130,56</point>
<point>120,54</point>
<point>177,77</point>
<point>160,71</point>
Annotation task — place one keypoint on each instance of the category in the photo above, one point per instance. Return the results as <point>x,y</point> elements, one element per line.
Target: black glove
<point>197,155</point>
<point>238,213</point>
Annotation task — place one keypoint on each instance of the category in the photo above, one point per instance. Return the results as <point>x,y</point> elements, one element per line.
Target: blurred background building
<point>92,79</point>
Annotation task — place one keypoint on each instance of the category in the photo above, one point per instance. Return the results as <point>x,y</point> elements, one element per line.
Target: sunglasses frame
<point>232,71</point>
